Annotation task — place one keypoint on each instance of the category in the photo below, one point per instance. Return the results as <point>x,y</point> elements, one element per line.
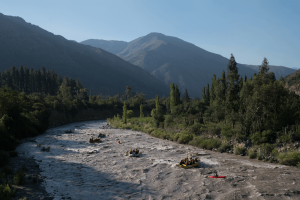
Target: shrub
<point>6,193</point>
<point>168,120</point>
<point>175,137</point>
<point>252,154</point>
<point>19,177</point>
<point>130,114</point>
<point>289,158</point>
<point>185,137</point>
<point>259,156</point>
<point>239,150</point>
<point>196,128</point>
<point>227,132</point>
<point>224,147</point>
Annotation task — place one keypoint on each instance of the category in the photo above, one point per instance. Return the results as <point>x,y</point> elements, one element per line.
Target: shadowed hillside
<point>171,59</point>
<point>31,46</point>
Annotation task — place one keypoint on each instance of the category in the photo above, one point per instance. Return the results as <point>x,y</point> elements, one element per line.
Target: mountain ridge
<point>171,59</point>
<point>103,72</point>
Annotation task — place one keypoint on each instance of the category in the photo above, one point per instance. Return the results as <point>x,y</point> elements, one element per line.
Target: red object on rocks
<point>217,176</point>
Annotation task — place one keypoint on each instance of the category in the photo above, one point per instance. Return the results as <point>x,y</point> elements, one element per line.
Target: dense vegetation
<point>258,112</point>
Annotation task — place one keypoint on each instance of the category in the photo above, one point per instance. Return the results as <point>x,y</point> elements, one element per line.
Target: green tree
<point>172,97</point>
<point>232,97</point>
<point>141,111</point>
<point>186,97</point>
<point>157,113</point>
<point>21,72</point>
<point>177,96</point>
<point>124,113</point>
<point>207,100</point>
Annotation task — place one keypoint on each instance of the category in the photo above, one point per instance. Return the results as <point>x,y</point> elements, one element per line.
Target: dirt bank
<point>76,169</point>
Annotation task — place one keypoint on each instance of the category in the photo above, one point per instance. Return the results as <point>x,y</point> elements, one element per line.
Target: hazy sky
<point>250,29</point>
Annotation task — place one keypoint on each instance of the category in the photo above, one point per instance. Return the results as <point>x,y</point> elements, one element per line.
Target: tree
<point>26,80</point>
<point>212,90</point>
<point>203,95</point>
<point>186,97</point>
<point>207,100</point>
<point>232,97</point>
<point>91,97</point>
<point>157,112</point>
<point>21,72</point>
<point>124,113</point>
<point>177,96</point>
<point>141,111</point>
<point>172,97</point>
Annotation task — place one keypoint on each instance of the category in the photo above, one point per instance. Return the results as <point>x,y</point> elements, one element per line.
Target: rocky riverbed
<point>75,169</point>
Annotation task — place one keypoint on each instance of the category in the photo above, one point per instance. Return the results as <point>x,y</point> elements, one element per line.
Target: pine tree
<point>124,113</point>
<point>91,97</point>
<point>32,80</point>
<point>177,96</point>
<point>172,97</point>
<point>240,84</point>
<point>203,95</point>
<point>43,80</point>
<point>245,79</point>
<point>38,81</point>
<point>223,85</point>
<point>22,84</point>
<point>26,80</point>
<point>59,80</point>
<point>207,95</point>
<point>54,83</point>
<point>212,90</point>
<point>141,111</point>
<point>14,78</point>
<point>186,97</point>
<point>232,97</point>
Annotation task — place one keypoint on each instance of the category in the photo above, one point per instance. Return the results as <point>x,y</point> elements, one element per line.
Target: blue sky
<point>251,30</point>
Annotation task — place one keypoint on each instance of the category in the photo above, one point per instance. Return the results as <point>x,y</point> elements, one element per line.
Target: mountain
<point>31,46</point>
<point>278,70</point>
<point>292,82</point>
<point>171,59</point>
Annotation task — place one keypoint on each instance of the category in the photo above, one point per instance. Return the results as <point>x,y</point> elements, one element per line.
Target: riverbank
<point>76,169</point>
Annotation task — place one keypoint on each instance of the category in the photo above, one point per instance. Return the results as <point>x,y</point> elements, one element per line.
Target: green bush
<point>6,193</point>
<point>227,132</point>
<point>252,154</point>
<point>168,120</point>
<point>176,137</point>
<point>19,177</point>
<point>259,156</point>
<point>239,150</point>
<point>289,158</point>
<point>224,147</point>
<point>130,114</point>
<point>196,128</point>
<point>185,137</point>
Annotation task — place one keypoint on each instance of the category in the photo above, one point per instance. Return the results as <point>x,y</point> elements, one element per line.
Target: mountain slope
<point>278,70</point>
<point>292,82</point>
<point>29,45</point>
<point>173,60</point>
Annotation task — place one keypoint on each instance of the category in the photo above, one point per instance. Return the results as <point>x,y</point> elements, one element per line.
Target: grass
<point>239,150</point>
<point>289,158</point>
<point>259,156</point>
<point>252,154</point>
<point>224,147</point>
